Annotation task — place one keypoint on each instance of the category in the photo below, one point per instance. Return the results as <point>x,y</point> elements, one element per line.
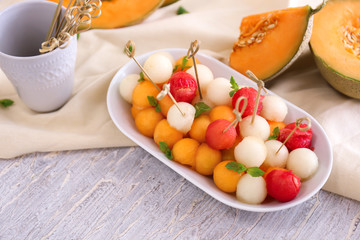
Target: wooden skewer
<point>237,113</point>
<point>194,48</point>
<point>54,20</point>
<point>261,86</point>
<point>131,54</point>
<point>297,126</point>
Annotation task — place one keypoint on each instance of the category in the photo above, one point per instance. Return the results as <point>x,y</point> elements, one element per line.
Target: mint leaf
<point>6,102</point>
<point>157,108</point>
<point>275,134</point>
<point>238,167</point>
<point>141,79</point>
<point>200,107</point>
<point>235,166</point>
<point>255,171</point>
<point>154,102</point>
<point>234,86</point>
<point>182,66</point>
<point>181,10</point>
<point>77,36</point>
<point>166,150</point>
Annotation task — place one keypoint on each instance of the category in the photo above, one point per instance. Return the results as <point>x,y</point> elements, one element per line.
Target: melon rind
<point>346,85</point>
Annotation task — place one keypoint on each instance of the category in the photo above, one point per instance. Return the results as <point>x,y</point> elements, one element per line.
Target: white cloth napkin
<point>85,123</point>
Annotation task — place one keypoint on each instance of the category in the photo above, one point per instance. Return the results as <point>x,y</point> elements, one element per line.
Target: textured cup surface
<point>44,82</point>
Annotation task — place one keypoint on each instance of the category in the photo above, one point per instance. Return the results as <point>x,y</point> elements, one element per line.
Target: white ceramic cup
<point>44,82</point>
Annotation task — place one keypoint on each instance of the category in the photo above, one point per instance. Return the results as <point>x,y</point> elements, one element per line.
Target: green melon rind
<point>346,85</point>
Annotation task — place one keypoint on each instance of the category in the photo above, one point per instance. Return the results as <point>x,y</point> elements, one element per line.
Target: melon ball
<point>274,159</point>
<point>303,162</point>
<point>251,151</point>
<point>184,152</point>
<point>274,108</point>
<point>181,122</point>
<point>168,55</point>
<point>251,190</point>
<point>159,68</point>
<point>259,128</point>
<point>218,91</point>
<point>204,73</point>
<point>127,86</point>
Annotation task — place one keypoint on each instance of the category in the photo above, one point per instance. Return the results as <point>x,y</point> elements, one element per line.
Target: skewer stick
<point>194,48</point>
<point>297,126</point>
<point>130,52</point>
<point>261,86</point>
<point>63,18</point>
<point>54,20</point>
<point>237,113</point>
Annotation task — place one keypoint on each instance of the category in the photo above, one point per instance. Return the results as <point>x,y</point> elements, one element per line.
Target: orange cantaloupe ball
<point>206,159</point>
<point>135,110</point>
<point>165,104</point>
<point>274,124</point>
<point>146,121</point>
<point>228,154</point>
<point>141,93</point>
<point>179,64</point>
<point>225,179</point>
<point>184,151</point>
<point>166,133</point>
<point>222,112</point>
<point>198,128</point>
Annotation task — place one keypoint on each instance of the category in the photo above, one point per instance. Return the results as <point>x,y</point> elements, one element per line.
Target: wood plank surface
<point>125,193</point>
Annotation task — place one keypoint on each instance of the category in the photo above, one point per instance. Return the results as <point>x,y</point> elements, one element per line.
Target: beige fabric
<point>85,123</point>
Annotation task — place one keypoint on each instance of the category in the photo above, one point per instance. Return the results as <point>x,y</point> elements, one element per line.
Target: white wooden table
<point>125,193</point>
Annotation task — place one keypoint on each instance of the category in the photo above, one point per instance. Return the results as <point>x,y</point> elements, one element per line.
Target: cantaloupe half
<point>270,42</point>
<point>335,43</point>
<point>122,13</point>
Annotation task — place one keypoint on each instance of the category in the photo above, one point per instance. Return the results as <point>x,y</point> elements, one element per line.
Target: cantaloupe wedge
<point>270,42</point>
<point>122,13</point>
<point>168,2</point>
<point>335,44</point>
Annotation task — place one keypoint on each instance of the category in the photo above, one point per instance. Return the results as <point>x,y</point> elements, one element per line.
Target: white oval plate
<point>119,111</point>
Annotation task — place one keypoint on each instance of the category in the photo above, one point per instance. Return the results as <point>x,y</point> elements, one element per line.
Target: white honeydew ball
<point>218,91</point>
<point>259,128</point>
<point>274,159</point>
<point>181,122</point>
<point>158,67</point>
<point>127,86</point>
<point>251,189</point>
<point>169,56</point>
<point>303,162</point>
<point>251,151</point>
<point>204,73</point>
<point>274,108</point>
